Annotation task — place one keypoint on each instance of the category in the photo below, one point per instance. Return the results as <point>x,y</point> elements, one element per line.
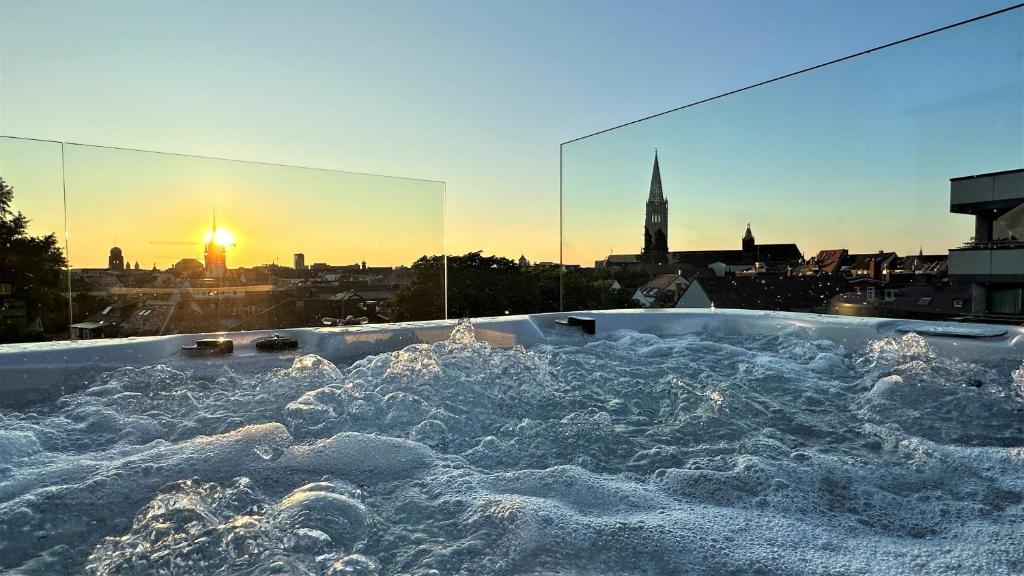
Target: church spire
<point>749,246</point>
<point>656,224</point>
<point>656,194</point>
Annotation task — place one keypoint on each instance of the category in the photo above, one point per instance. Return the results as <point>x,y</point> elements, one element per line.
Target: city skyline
<point>858,154</point>
<point>272,211</point>
<point>496,87</point>
<point>168,250</point>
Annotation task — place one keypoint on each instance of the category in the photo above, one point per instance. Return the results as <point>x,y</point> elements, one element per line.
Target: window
<point>1006,300</point>
<point>958,303</point>
<point>871,292</point>
<point>890,294</point>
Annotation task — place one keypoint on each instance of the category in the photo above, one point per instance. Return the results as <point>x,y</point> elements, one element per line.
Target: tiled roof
<point>660,282</point>
<point>794,293</point>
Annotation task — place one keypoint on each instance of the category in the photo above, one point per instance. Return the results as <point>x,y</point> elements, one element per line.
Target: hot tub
<point>670,441</point>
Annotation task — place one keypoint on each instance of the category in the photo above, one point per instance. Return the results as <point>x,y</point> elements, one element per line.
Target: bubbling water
<point>701,454</point>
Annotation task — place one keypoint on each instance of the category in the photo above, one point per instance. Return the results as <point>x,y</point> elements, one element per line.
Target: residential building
<point>923,299</point>
<point>661,291</point>
<point>992,262</point>
<point>785,293</point>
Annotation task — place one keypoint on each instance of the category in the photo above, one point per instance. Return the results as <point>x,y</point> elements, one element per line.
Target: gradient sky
<point>475,94</point>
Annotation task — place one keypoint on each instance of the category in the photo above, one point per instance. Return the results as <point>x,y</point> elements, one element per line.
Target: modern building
<point>300,261</point>
<point>115,262</point>
<point>992,262</point>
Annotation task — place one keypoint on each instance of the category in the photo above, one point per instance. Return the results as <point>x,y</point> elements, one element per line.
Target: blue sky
<point>476,94</point>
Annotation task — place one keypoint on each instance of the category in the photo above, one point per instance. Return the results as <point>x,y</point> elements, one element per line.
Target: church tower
<point>115,262</point>
<point>749,246</point>
<point>656,223</point>
<point>215,254</point>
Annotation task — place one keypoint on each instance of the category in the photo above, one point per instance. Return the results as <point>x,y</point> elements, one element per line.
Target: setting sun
<point>221,236</point>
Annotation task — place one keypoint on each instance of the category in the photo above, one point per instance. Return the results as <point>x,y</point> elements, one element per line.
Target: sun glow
<point>221,236</point>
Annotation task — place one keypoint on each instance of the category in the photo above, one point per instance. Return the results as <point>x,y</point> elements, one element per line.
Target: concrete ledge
<point>31,372</point>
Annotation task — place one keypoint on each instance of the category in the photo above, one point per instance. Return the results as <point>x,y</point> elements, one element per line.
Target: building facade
<point>992,262</point>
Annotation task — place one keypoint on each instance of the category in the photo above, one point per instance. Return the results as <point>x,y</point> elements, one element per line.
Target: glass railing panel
<point>114,243</point>
<point>170,244</point>
<point>826,191</point>
<point>33,246</point>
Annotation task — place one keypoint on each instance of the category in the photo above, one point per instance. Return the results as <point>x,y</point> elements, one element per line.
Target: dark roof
<point>773,253</point>
<point>660,282</point>
<point>926,262</point>
<point>778,253</point>
<point>860,261</point>
<point>148,320</point>
<point>830,261</point>
<point>794,293</point>
<point>615,259</point>
<point>703,258</point>
<point>924,300</point>
<point>939,298</point>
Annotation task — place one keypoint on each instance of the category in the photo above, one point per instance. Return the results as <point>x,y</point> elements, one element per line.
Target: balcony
<point>986,192</point>
<point>994,261</point>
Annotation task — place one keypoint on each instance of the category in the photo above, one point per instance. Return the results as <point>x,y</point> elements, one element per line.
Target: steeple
<point>749,246</point>
<point>656,194</point>
<point>656,223</point>
<point>215,254</point>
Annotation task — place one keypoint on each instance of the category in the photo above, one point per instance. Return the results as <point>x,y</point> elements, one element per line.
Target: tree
<point>31,271</point>
<point>481,285</point>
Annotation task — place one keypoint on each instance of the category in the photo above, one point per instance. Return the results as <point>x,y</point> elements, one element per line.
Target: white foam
<point>709,453</point>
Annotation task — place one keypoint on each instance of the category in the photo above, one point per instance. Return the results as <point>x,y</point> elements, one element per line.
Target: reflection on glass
<point>828,191</point>
<point>167,244</point>
<point>33,248</point>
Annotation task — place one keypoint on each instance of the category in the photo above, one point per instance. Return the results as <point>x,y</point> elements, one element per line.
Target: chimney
<point>874,269</point>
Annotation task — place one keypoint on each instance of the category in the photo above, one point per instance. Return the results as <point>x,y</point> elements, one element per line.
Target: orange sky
<point>158,208</point>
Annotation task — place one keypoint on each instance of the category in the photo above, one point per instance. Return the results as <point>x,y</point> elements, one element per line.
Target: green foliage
<point>33,267</point>
<point>481,285</point>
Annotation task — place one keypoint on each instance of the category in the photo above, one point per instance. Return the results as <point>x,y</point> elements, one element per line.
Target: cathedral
<point>656,256</point>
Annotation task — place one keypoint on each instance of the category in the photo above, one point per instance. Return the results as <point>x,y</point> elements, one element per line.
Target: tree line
<point>481,285</point>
